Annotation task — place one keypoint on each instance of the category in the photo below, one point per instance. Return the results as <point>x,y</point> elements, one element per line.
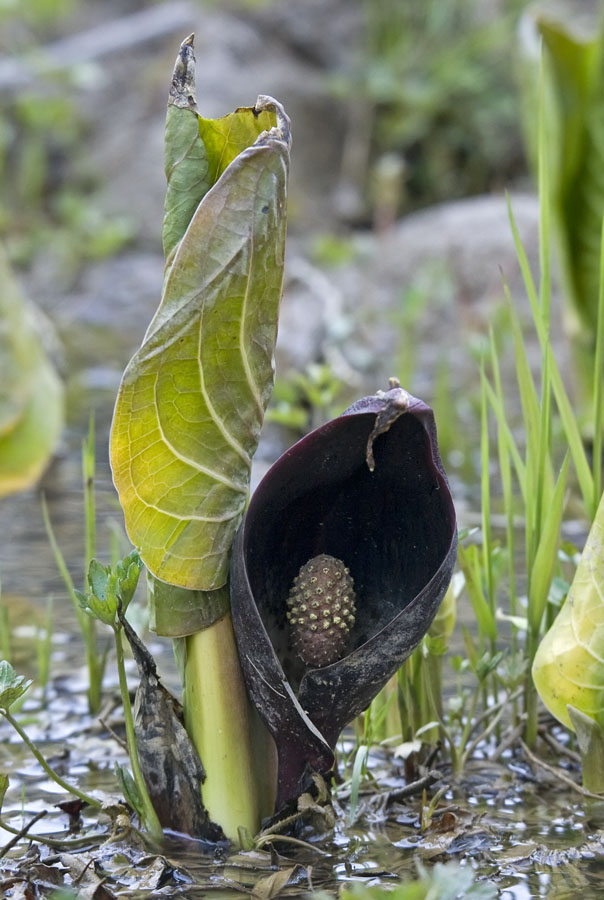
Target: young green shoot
<point>504,454</point>
<point>88,475</point>
<point>110,591</point>
<point>567,415</point>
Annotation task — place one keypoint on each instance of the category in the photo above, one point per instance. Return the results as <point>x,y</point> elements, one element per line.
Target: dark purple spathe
<point>393,525</point>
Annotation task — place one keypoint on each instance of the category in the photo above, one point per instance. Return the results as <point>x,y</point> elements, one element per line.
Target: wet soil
<point>520,829</point>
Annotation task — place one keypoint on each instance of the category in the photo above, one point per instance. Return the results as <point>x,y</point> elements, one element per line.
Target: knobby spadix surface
<point>569,664</point>
<point>192,400</point>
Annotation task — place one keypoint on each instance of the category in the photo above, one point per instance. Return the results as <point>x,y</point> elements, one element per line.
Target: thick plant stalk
<point>218,717</point>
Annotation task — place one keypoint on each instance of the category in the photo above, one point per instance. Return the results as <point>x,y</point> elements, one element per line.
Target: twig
<point>269,837</point>
<point>113,734</point>
<point>71,789</point>
<point>408,790</point>
<point>53,843</point>
<point>557,746</point>
<point>22,833</point>
<point>556,773</point>
<point>511,737</point>
<point>433,754</point>
<point>481,737</point>
<point>496,707</point>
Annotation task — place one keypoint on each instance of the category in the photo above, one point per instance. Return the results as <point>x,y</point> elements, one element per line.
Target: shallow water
<point>519,831</point>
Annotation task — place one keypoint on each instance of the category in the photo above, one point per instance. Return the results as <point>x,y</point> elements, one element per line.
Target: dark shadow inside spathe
<point>392,527</point>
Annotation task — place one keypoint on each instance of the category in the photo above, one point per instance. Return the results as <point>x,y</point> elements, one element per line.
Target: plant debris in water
<point>511,823</point>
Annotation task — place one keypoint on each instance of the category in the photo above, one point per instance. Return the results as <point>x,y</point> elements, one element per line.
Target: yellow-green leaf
<point>192,400</point>
<point>569,664</point>
<point>224,139</point>
<point>198,150</point>
<point>31,393</point>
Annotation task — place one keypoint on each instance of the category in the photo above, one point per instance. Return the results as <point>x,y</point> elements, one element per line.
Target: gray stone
<point>447,263</point>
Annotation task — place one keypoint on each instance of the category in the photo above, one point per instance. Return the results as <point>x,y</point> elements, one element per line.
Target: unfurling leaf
<point>192,400</point>
<point>569,663</point>
<point>110,589</point>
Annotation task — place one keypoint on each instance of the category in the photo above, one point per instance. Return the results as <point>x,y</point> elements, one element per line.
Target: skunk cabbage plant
<point>348,544</point>
<point>349,540</point>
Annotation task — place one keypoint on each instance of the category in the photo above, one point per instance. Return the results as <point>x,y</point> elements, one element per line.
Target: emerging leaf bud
<point>321,610</point>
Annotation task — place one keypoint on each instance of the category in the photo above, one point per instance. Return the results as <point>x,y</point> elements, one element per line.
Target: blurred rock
<point>446,262</point>
<point>237,59</point>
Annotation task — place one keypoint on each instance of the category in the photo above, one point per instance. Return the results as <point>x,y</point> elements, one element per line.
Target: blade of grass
<point>88,473</point>
<point>545,285</point>
<point>95,662</point>
<point>539,478</point>
<point>469,560</point>
<point>497,405</point>
<point>360,761</point>
<point>547,554</point>
<point>544,475</point>
<point>569,421</point>
<point>540,579</point>
<point>505,470</point>
<point>485,495</point>
<point>44,649</point>
<point>598,408</point>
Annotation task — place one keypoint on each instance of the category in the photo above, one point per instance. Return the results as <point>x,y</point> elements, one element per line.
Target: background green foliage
<point>440,88</point>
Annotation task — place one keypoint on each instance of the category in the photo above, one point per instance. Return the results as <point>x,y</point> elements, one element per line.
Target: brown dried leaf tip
<point>321,610</point>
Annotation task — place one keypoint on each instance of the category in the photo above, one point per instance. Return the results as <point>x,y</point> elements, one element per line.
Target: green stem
<point>151,820</point>
<point>219,720</point>
<point>531,709</point>
<point>49,771</point>
<point>86,624</point>
<point>470,714</point>
<point>5,631</point>
<point>88,473</point>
